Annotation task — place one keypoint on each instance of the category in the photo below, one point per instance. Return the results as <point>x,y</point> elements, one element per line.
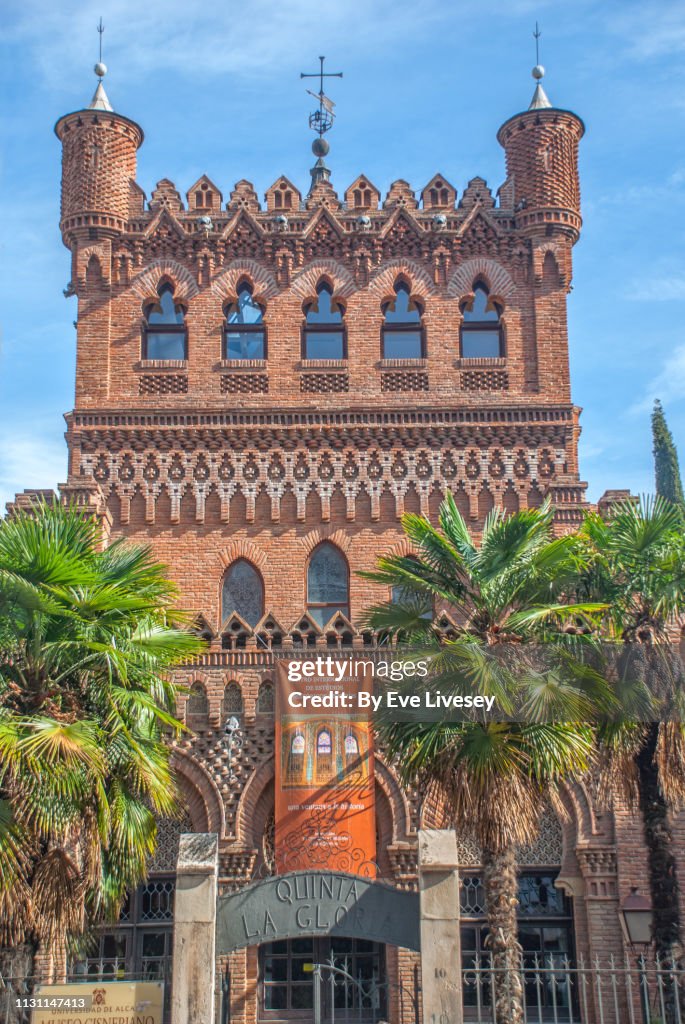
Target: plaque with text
<point>108,1002</point>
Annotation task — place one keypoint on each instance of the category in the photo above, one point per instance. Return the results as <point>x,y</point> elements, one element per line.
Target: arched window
<point>324,743</point>
<point>402,331</point>
<point>197,700</point>
<point>327,583</point>
<point>402,595</point>
<point>295,765</point>
<point>243,592</point>
<point>233,700</point>
<point>324,334</point>
<point>265,698</point>
<point>244,334</point>
<point>420,603</point>
<point>481,331</point>
<point>351,747</point>
<point>165,332</point>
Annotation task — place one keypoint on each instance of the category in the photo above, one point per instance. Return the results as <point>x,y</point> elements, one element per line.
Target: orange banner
<point>324,806</point>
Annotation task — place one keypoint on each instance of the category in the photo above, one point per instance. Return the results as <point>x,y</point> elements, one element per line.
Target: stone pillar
<point>441,993</point>
<point>197,870</point>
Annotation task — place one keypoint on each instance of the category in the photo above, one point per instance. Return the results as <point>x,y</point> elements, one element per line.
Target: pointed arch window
<point>402,332</point>
<point>297,743</point>
<point>232,703</point>
<point>421,604</point>
<point>328,583</point>
<point>324,743</point>
<point>244,331</point>
<point>324,332</point>
<point>351,747</point>
<point>243,592</point>
<point>198,704</point>
<point>481,330</point>
<point>165,335</point>
<point>265,698</point>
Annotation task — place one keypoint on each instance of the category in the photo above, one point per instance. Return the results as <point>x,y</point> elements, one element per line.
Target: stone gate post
<point>441,988</point>
<point>197,870</point>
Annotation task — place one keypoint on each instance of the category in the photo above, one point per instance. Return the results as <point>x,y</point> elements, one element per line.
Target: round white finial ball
<point>538,72</point>
<point>100,69</point>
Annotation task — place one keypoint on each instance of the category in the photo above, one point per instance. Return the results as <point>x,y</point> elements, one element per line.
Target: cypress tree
<point>666,468</point>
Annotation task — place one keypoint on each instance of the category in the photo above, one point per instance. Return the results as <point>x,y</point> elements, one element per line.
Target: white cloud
<point>650,30</point>
<point>667,385</point>
<point>255,39</point>
<point>661,288</point>
<point>30,460</point>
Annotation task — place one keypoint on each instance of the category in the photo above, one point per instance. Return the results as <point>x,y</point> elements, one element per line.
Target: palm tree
<point>86,646</point>
<point>495,775</point>
<point>636,564</point>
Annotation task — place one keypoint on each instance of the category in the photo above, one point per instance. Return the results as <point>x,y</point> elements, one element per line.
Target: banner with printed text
<point>324,802</point>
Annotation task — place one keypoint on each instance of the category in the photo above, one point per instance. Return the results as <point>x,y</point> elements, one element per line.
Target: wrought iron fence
<point>342,998</point>
<point>558,990</point>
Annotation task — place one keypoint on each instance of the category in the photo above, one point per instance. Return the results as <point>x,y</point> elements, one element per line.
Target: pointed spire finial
<point>100,100</point>
<point>540,99</point>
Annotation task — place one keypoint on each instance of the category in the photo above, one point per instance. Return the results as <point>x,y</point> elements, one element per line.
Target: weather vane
<point>322,119</point>
<point>100,68</point>
<point>536,36</point>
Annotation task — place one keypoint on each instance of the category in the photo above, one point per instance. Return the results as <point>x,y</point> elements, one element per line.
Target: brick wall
<point>210,460</point>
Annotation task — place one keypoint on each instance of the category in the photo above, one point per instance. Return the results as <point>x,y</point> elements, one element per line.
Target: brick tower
<point>263,389</point>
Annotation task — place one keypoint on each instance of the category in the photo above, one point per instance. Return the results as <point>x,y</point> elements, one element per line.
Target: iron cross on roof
<point>322,119</point>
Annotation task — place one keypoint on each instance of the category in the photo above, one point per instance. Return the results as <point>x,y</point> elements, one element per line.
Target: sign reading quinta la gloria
<point>325,831</point>
<point>97,1002</point>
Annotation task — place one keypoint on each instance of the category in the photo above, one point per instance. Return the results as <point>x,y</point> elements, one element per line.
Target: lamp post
<point>636,920</point>
<point>234,742</point>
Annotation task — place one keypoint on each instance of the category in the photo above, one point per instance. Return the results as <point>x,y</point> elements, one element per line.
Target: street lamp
<point>635,916</point>
<point>636,919</point>
<point>234,742</point>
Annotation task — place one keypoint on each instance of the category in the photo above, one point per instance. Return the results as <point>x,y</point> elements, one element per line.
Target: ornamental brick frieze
<point>287,243</point>
<point>507,473</point>
<point>97,437</point>
<point>290,440</point>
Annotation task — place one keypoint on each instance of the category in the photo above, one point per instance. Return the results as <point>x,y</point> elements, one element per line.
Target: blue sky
<point>216,89</point>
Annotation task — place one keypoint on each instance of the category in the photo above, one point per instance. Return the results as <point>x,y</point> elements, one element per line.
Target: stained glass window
<point>233,700</point>
<point>265,698</point>
<point>197,700</point>
<point>243,592</point>
<point>323,742</point>
<point>351,745</point>
<point>327,583</point>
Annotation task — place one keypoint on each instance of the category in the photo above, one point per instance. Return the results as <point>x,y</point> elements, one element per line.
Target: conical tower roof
<point>540,100</point>
<point>100,100</point>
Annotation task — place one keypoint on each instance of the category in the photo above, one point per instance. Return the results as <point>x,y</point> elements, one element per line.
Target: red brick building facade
<point>262,384</point>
